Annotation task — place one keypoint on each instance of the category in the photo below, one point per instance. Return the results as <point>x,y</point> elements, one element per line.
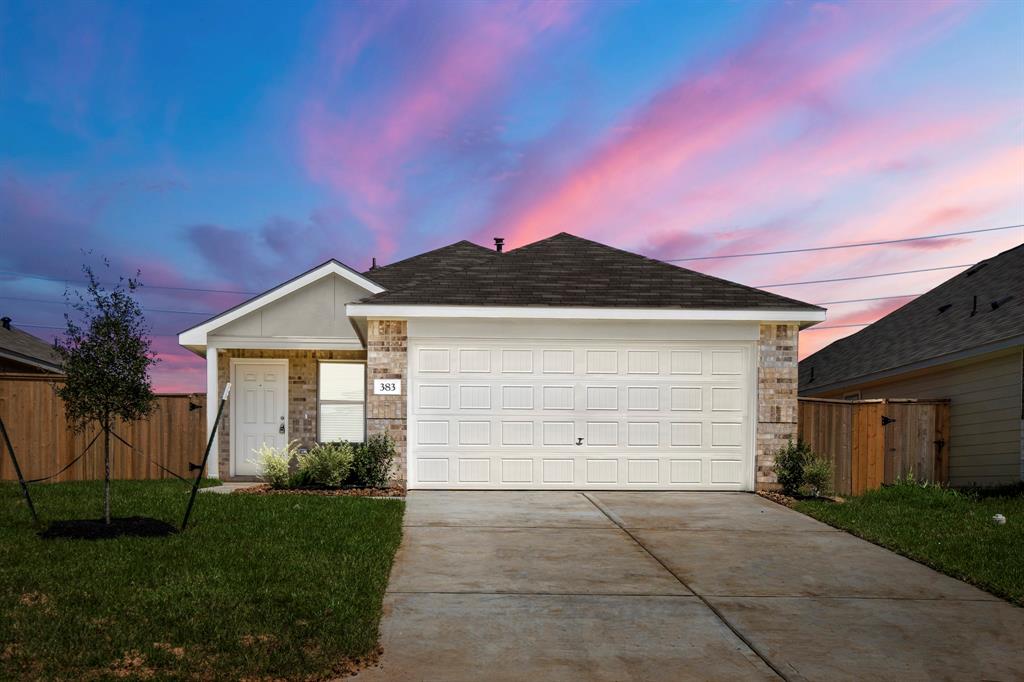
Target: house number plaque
<point>387,387</point>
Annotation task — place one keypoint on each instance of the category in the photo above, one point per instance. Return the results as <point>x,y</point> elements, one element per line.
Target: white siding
<point>985,414</point>
<point>316,311</point>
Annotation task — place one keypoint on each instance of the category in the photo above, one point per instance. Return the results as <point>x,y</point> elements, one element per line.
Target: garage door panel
<point>572,415</point>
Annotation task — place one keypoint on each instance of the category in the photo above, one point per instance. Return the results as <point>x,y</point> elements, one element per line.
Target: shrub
<point>273,464</point>
<point>817,476</point>
<point>789,466</point>
<point>371,466</point>
<point>326,465</point>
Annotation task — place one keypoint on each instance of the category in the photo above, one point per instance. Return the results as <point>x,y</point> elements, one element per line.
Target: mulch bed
<point>265,489</point>
<point>787,501</point>
<point>97,529</point>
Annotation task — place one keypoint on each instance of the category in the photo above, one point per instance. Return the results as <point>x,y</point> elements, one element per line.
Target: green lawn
<point>948,530</point>
<point>259,586</point>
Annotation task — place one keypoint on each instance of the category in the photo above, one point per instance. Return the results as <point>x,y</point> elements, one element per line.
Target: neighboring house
<point>962,340</point>
<point>562,364</point>
<point>22,353</point>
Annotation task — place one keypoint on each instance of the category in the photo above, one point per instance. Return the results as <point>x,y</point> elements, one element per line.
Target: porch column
<point>776,397</point>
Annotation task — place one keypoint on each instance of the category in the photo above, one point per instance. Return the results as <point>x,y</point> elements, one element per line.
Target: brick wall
<point>302,393</point>
<point>387,358</point>
<point>776,397</point>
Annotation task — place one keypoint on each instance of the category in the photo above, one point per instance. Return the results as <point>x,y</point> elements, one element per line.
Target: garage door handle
<point>579,441</point>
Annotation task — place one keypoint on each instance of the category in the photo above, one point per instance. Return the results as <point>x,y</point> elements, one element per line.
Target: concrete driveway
<point>671,586</point>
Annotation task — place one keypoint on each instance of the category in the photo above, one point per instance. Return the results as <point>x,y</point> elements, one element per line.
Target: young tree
<point>107,356</point>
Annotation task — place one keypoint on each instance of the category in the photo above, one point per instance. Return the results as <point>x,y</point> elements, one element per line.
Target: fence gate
<point>875,442</point>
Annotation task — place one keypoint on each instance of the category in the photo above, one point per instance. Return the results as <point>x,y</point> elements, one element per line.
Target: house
<point>962,340</point>
<point>23,353</point>
<point>564,363</point>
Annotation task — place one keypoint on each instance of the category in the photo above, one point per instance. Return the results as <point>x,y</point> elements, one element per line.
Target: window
<point>852,396</point>
<point>342,408</point>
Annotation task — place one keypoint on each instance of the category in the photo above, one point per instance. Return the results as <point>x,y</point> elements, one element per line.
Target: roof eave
<point>195,338</point>
<point>803,317</point>
<point>935,361</point>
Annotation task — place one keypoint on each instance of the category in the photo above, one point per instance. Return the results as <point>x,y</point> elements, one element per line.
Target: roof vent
<point>499,244</point>
<point>1002,301</point>
<point>945,307</point>
<point>6,321</point>
<point>977,267</point>
<point>373,263</point>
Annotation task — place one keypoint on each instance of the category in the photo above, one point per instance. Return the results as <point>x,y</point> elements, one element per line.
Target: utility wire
<point>837,326</point>
<point>864,300</point>
<point>144,308</point>
<point>847,279</point>
<point>29,275</point>
<point>846,246</point>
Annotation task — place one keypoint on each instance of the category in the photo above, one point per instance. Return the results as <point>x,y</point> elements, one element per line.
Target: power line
<point>864,300</point>
<point>50,326</point>
<point>847,279</point>
<point>846,246</point>
<point>29,275</point>
<point>837,326</point>
<point>145,308</point>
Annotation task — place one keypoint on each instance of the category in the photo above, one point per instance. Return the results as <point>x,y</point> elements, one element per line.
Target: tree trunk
<point>106,472</point>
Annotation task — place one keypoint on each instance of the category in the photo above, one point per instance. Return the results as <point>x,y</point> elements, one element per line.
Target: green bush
<point>789,466</point>
<point>326,465</point>
<point>800,471</point>
<point>817,476</point>
<point>273,464</point>
<point>371,466</point>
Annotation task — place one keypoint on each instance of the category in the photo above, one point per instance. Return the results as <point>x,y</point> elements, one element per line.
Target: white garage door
<point>581,415</point>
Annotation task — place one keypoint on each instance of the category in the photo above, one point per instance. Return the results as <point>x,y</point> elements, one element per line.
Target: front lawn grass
<point>258,586</point>
<point>950,531</point>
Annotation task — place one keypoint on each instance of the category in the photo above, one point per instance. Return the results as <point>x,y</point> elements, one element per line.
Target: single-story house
<point>562,364</point>
<point>23,353</point>
<point>963,340</point>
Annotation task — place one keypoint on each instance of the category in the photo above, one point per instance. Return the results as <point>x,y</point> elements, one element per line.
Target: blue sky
<point>229,146</point>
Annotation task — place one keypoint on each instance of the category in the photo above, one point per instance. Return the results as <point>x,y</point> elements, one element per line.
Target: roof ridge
<point>426,253</point>
<point>658,261</point>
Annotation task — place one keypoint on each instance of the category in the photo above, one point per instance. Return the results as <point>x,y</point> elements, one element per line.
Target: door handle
<point>280,429</point>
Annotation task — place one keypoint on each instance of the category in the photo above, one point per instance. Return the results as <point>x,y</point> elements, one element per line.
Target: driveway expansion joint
<point>718,614</point>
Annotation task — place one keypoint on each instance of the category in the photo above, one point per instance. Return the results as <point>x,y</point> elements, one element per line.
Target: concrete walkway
<point>671,586</point>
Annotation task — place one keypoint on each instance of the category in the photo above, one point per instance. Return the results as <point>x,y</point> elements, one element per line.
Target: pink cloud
<point>363,151</point>
<point>796,62</point>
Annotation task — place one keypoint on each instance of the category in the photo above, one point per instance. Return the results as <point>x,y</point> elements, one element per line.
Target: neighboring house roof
<point>440,262</point>
<point>20,346</point>
<point>980,309</point>
<point>566,271</point>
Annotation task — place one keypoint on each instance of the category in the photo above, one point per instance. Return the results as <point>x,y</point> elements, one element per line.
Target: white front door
<point>581,414</point>
<point>260,411</point>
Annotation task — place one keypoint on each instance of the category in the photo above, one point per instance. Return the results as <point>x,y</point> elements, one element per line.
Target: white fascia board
<point>371,311</point>
<point>196,336</point>
<point>286,343</point>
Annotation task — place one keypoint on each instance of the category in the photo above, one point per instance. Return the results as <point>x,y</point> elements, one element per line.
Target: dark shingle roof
<point>437,263</point>
<point>569,271</point>
<point>23,347</point>
<point>935,324</point>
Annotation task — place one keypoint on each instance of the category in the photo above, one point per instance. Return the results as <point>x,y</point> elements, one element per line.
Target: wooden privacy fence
<point>174,435</point>
<point>875,442</point>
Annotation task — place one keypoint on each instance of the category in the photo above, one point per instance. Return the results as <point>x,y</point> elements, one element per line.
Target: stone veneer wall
<point>302,393</point>
<point>776,397</point>
<point>387,358</point>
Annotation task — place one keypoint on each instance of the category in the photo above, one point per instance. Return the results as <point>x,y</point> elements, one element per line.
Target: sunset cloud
<point>270,141</point>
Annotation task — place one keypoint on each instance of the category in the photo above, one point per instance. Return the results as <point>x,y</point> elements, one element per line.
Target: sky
<point>223,147</point>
